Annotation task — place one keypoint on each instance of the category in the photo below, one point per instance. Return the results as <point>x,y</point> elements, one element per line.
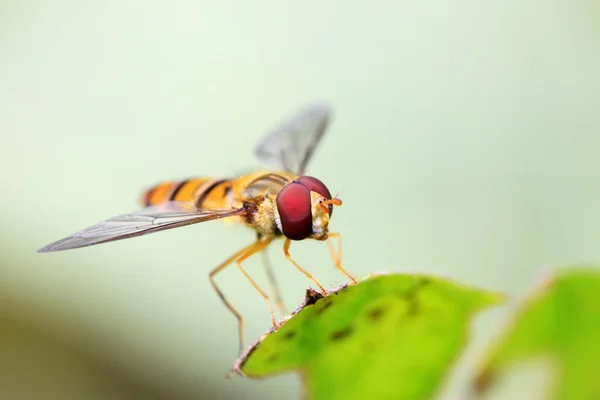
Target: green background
<point>465,144</point>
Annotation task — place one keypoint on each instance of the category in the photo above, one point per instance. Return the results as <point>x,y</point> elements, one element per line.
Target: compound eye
<point>294,206</point>
<point>316,185</point>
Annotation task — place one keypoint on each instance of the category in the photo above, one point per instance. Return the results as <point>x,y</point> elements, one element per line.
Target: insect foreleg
<point>337,258</point>
<point>286,248</point>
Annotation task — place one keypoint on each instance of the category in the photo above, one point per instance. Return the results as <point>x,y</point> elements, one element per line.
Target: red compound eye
<point>294,206</point>
<point>316,185</point>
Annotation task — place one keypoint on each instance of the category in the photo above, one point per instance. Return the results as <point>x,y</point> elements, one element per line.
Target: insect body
<point>276,204</point>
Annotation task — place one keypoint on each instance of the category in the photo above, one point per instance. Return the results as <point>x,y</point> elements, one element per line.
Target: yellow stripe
<point>213,194</point>
<point>161,192</point>
<point>188,190</point>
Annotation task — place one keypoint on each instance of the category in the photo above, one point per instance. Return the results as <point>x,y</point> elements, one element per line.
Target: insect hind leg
<point>231,308</point>
<point>258,246</point>
<point>273,282</point>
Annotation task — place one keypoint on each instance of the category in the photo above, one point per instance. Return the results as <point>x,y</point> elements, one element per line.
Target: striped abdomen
<point>204,192</point>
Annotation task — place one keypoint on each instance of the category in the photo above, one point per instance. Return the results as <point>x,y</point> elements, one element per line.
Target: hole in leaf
<point>341,334</point>
<point>289,335</point>
<point>375,314</point>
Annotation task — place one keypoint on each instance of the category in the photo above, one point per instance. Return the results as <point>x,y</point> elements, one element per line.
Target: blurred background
<point>464,143</point>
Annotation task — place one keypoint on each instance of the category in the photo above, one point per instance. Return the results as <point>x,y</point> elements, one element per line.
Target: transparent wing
<point>147,220</point>
<point>269,183</point>
<point>291,145</point>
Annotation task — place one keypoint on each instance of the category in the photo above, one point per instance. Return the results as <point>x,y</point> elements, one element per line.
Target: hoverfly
<point>276,204</point>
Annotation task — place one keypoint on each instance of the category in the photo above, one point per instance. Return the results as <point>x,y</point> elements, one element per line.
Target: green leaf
<point>560,325</point>
<point>390,336</point>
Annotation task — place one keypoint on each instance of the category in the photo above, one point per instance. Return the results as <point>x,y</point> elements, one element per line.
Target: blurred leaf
<point>390,336</point>
<point>36,363</point>
<point>560,324</point>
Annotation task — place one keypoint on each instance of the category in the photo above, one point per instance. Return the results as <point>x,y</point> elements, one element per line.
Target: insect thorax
<point>262,218</point>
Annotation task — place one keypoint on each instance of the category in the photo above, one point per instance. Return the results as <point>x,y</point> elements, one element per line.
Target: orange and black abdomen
<point>204,192</point>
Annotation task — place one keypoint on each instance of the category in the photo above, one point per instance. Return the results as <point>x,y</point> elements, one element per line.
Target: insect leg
<point>286,248</point>
<point>337,258</point>
<point>258,246</point>
<point>235,312</point>
<point>273,282</point>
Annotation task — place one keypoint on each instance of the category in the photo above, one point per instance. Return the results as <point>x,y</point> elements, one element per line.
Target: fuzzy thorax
<point>265,220</point>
